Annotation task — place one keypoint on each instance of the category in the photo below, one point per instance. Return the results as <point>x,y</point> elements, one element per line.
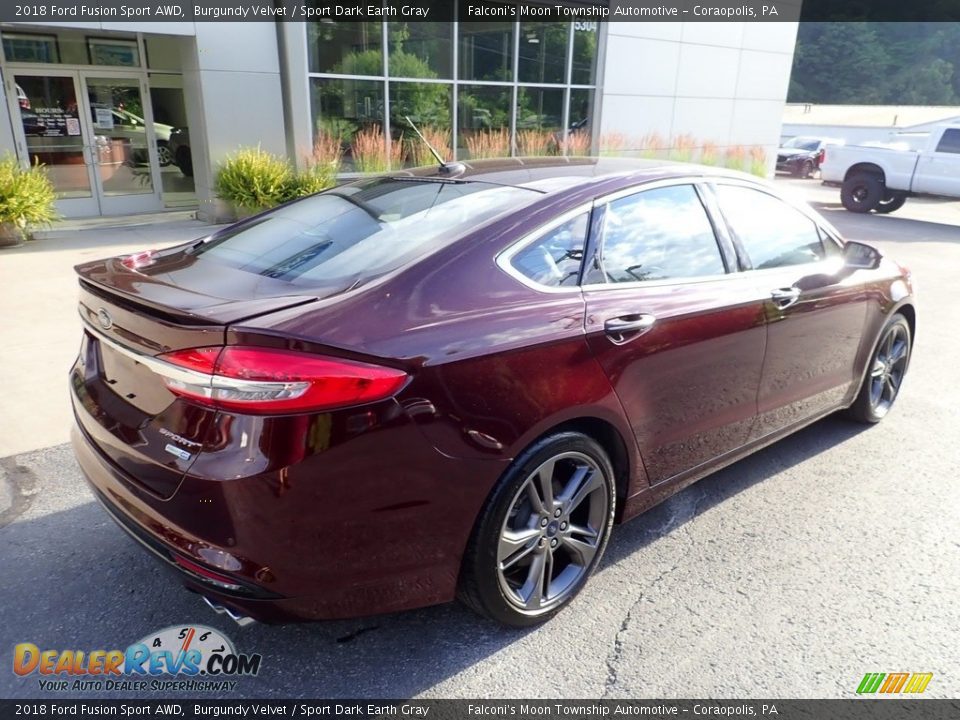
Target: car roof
<point>554,174</point>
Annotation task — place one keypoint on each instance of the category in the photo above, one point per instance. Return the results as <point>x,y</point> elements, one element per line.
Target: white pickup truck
<point>881,179</point>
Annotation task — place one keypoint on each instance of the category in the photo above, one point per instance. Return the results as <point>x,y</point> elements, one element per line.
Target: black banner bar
<point>107,11</point>
<point>854,709</point>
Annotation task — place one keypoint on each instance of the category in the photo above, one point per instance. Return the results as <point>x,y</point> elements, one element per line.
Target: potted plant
<point>252,179</point>
<point>26,200</point>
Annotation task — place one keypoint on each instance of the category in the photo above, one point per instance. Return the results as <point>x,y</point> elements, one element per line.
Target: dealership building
<point>134,117</point>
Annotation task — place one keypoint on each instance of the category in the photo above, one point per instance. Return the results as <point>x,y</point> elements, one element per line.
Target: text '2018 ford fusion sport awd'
<point>453,382</point>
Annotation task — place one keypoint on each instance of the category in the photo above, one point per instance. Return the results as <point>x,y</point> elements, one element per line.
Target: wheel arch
<point>610,438</point>
<point>866,168</point>
<point>910,313</point>
<point>905,308</point>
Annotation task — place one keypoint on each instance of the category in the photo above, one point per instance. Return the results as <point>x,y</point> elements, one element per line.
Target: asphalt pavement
<point>792,573</point>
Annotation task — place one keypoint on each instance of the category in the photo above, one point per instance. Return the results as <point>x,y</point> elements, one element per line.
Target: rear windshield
<point>359,231</point>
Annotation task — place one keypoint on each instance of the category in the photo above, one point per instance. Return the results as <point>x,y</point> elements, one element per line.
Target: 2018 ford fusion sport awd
<point>454,381</point>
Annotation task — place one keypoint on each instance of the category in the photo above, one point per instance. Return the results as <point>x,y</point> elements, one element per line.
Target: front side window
<point>554,259</point>
<point>656,234</point>
<point>773,233</point>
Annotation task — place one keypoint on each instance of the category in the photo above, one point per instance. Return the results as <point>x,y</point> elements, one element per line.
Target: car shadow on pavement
<point>722,485</point>
<point>893,229</point>
<point>72,579</point>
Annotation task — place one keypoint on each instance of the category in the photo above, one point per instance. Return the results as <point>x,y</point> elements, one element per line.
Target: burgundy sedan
<point>453,382</point>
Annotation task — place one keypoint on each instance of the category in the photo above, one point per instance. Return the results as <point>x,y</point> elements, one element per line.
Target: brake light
<point>266,381</point>
<point>822,156</point>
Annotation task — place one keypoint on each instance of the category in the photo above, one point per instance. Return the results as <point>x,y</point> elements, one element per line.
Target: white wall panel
<point>641,66</point>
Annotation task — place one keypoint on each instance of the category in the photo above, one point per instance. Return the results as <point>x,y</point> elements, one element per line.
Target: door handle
<point>785,297</point>
<point>619,328</point>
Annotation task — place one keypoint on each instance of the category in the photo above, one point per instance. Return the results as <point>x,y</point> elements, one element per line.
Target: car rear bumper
<point>313,548</point>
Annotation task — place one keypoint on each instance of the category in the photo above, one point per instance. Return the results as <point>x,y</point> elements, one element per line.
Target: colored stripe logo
<point>892,683</point>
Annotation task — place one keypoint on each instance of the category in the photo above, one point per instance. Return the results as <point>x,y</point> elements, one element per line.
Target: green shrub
<point>26,196</point>
<point>315,178</point>
<point>253,179</point>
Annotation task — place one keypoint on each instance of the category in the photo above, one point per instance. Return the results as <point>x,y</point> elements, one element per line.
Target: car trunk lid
<point>130,318</point>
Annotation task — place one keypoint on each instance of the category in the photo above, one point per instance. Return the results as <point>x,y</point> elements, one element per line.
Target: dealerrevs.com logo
<point>894,683</point>
<point>185,657</point>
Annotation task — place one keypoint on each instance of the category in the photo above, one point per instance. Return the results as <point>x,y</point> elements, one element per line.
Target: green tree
<point>838,63</point>
<point>911,63</point>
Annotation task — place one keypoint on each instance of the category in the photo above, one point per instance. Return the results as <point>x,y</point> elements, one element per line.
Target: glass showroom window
<point>481,89</point>
<point>483,120</point>
<point>543,52</point>
<point>345,48</point>
<point>429,106</point>
<point>486,51</point>
<point>348,109</point>
<point>421,50</point>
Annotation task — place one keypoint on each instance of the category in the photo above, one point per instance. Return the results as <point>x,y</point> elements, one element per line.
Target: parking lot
<point>790,574</point>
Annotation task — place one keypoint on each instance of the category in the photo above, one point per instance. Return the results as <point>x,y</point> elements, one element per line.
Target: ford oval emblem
<point>106,322</point>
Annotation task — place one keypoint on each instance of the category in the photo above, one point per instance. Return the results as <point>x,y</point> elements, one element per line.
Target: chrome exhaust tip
<point>241,620</point>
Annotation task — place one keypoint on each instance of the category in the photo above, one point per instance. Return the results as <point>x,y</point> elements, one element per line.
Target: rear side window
<point>359,231</point>
<point>949,142</point>
<point>554,259</point>
<point>656,234</point>
<point>773,233</point>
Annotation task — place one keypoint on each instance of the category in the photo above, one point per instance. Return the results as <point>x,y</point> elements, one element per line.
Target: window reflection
<point>539,109</point>
<point>655,235</point>
<point>358,231</point>
<point>342,108</point>
<point>554,260</point>
<point>51,124</point>
<point>428,105</point>
<point>345,48</point>
<point>421,50</point>
<point>486,51</point>
<point>773,233</point>
<point>585,38</point>
<point>543,52</point>
<point>499,88</point>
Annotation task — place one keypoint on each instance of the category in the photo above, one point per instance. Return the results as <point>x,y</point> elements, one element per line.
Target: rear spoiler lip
<point>180,316</point>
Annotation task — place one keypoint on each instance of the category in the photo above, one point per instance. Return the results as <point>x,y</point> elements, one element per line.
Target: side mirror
<point>861,256</point>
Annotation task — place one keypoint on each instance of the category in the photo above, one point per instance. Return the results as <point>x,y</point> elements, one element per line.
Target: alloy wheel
<point>552,532</point>
<point>888,368</point>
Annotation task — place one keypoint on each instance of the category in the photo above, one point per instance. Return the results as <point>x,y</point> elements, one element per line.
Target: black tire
<point>886,371</point>
<point>862,192</point>
<point>806,169</point>
<point>891,203</point>
<point>184,161</point>
<point>515,531</point>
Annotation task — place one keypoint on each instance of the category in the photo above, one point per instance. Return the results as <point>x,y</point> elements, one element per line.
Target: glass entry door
<point>124,162</point>
<point>54,134</point>
<point>93,134</point>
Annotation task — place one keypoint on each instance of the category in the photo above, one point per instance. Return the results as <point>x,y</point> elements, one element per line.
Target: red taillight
<point>822,156</point>
<point>266,381</point>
